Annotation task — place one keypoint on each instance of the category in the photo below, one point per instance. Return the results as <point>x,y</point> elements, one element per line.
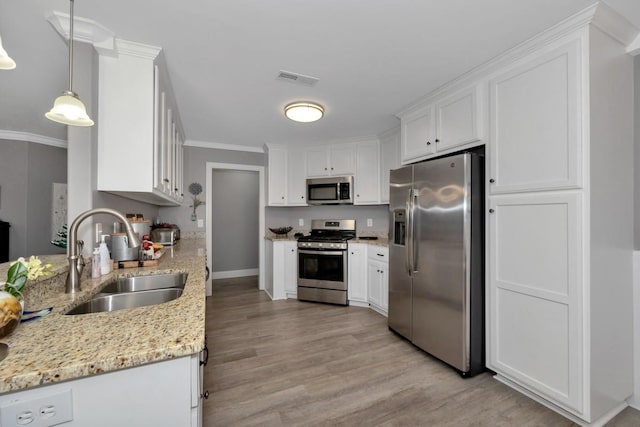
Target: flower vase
<point>10,313</point>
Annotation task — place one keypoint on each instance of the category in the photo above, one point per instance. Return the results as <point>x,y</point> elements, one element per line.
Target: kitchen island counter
<point>61,347</point>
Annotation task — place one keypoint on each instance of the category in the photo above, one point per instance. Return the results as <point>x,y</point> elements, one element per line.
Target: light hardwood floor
<point>289,363</point>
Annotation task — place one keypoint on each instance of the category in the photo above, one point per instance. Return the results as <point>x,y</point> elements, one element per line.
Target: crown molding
<point>221,146</point>
<point>614,24</point>
<point>140,50</point>
<point>389,133</point>
<point>32,137</point>
<point>86,31</point>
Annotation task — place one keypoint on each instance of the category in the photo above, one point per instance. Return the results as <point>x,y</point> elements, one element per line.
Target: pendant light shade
<point>304,112</point>
<point>6,63</point>
<point>67,108</point>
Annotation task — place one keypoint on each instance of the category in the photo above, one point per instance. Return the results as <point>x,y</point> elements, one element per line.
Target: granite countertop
<point>381,241</point>
<point>57,347</point>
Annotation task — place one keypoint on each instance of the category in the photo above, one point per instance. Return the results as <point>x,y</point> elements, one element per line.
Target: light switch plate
<point>300,222</point>
<point>200,223</point>
<point>369,222</point>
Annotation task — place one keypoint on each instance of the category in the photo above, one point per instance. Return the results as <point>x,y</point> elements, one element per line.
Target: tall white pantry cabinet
<point>560,217</point>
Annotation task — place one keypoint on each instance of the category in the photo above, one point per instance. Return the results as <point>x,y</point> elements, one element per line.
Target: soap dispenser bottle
<point>105,258</point>
<point>96,271</point>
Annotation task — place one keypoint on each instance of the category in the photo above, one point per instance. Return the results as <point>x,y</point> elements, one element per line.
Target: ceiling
<point>373,57</point>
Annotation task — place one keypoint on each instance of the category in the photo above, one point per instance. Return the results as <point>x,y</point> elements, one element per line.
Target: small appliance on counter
<point>164,235</point>
<point>164,226</point>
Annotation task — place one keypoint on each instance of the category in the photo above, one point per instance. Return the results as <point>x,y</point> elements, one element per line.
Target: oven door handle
<point>320,252</point>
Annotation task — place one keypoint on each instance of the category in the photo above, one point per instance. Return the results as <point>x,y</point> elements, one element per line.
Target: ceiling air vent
<point>301,79</point>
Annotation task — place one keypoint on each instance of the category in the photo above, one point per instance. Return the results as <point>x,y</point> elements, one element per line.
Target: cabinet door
<point>536,111</point>
<point>374,283</point>
<point>277,179</point>
<point>535,292</point>
<point>158,123</point>
<point>389,159</point>
<point>357,259</point>
<point>418,134</point>
<point>317,162</point>
<point>458,119</point>
<point>342,159</point>
<point>296,178</point>
<point>367,176</point>
<point>291,269</point>
<point>167,161</point>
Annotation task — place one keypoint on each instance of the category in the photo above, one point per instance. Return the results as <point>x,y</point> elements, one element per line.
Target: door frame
<point>210,166</point>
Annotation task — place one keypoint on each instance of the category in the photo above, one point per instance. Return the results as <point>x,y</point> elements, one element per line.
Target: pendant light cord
<point>71,47</point>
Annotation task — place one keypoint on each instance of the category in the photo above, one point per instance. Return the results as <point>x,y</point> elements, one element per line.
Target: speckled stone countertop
<point>57,347</point>
<point>380,241</point>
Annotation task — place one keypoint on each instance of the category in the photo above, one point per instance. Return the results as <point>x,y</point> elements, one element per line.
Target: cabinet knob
<point>282,197</point>
<point>205,395</point>
<point>293,250</point>
<point>380,254</point>
<point>325,168</point>
<point>491,211</point>
<point>492,180</point>
<point>437,140</point>
<point>428,142</point>
<point>166,180</point>
<point>302,197</point>
<point>331,168</point>
<point>357,195</point>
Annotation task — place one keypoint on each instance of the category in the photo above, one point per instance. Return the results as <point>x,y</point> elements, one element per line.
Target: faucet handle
<point>81,263</point>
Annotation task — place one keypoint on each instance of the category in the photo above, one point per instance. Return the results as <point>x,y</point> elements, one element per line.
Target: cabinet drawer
<point>378,253</point>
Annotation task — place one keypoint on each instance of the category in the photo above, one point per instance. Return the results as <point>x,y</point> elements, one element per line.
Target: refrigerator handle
<point>414,251</point>
<point>409,230</point>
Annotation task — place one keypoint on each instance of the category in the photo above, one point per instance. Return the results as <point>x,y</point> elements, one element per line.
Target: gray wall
<point>195,160</point>
<point>27,171</point>
<point>280,217</point>
<point>235,226</point>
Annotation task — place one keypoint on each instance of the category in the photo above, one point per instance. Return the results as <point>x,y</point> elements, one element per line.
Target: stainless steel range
<point>322,261</point>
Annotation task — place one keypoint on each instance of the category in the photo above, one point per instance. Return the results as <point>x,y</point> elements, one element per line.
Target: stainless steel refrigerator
<point>436,258</point>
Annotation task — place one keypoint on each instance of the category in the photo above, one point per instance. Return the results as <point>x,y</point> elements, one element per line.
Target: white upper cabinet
<point>418,133</point>
<point>535,123</point>
<point>367,178</point>
<point>296,177</point>
<point>139,134</point>
<point>276,175</point>
<point>442,124</point>
<point>332,160</point>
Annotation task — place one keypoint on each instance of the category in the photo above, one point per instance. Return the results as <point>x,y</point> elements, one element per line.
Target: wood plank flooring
<point>290,363</point>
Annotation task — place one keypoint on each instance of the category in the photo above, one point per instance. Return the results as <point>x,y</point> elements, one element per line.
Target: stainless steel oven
<point>322,261</point>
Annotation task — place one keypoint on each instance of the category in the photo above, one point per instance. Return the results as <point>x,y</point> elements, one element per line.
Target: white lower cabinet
<point>282,268</point>
<point>357,274</point>
<point>378,278</point>
<point>163,394</point>
<point>535,293</point>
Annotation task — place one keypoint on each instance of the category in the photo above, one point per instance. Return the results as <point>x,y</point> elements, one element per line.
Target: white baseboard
<point>235,273</point>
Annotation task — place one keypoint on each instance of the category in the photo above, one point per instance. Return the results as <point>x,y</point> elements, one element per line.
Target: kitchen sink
<point>105,303</point>
<point>146,283</point>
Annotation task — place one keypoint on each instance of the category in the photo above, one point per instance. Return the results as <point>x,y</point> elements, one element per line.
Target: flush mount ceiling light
<point>304,112</point>
<point>6,63</point>
<point>67,108</point>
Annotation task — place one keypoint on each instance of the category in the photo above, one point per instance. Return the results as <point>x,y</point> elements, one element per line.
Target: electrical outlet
<point>369,222</point>
<point>300,222</point>
<point>200,223</point>
<point>98,231</point>
<point>41,411</point>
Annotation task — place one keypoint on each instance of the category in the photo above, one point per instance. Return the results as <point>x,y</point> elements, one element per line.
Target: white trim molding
<point>235,273</point>
<point>208,170</point>
<point>86,31</point>
<point>634,400</point>
<point>221,146</point>
<point>32,137</point>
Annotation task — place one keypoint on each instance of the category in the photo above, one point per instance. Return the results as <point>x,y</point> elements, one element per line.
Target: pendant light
<point>6,63</point>
<point>304,112</point>
<point>67,108</point>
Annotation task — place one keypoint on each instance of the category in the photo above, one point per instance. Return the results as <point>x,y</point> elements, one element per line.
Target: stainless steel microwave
<point>336,190</point>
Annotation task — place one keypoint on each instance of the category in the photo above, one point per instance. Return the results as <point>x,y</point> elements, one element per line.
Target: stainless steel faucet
<point>76,261</point>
